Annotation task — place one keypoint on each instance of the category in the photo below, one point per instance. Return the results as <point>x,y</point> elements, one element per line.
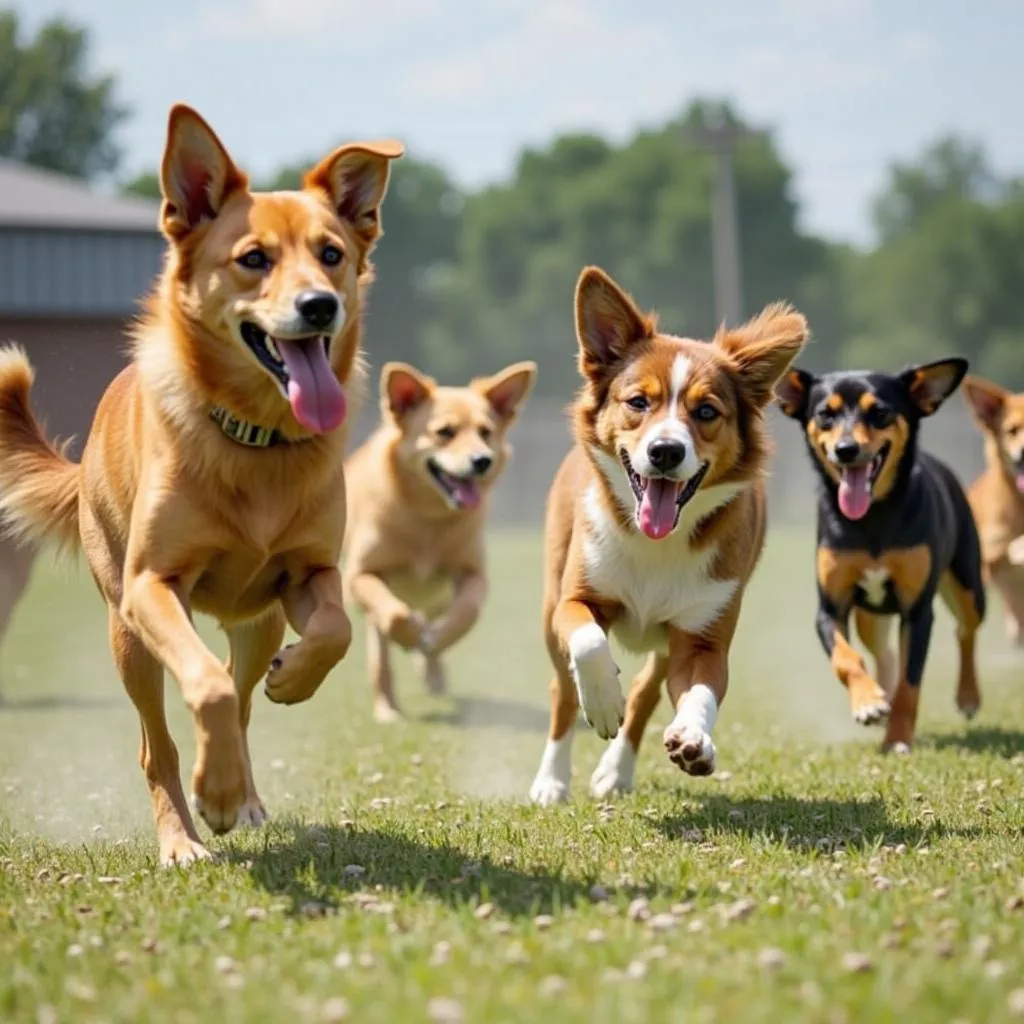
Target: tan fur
<point>719,535</point>
<point>413,562</point>
<point>996,500</point>
<point>176,518</point>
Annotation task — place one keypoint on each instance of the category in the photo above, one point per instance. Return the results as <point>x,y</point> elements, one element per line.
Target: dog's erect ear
<point>930,384</point>
<point>792,392</point>
<point>763,348</point>
<point>607,322</point>
<point>985,400</point>
<point>403,388</point>
<point>355,177</point>
<point>196,175</point>
<point>508,390</point>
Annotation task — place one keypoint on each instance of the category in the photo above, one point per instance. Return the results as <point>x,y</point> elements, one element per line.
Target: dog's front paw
<point>548,790</point>
<point>614,772</point>
<point>218,783</point>
<point>868,704</point>
<point>690,749</point>
<point>179,851</point>
<point>408,629</point>
<point>253,813</point>
<point>597,680</point>
<point>1015,552</point>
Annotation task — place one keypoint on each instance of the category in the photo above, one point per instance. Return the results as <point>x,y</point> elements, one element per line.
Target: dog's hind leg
<point>252,645</point>
<point>434,676</point>
<point>143,678</point>
<point>378,657</point>
<point>873,631</point>
<point>616,769</point>
<point>963,604</point>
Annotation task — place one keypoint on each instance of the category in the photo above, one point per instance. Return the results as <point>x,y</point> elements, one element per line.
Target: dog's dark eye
<point>254,259</point>
<point>486,433</point>
<point>881,417</point>
<point>638,403</point>
<point>331,256</point>
<point>824,418</point>
<point>705,413</point>
<point>1013,430</point>
<point>446,433</point>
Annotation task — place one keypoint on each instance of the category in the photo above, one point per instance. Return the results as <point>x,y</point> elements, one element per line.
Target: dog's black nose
<point>482,463</point>
<point>318,309</point>
<point>847,450</point>
<point>666,455</point>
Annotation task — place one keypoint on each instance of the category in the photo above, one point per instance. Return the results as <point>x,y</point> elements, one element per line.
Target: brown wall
<point>74,361</point>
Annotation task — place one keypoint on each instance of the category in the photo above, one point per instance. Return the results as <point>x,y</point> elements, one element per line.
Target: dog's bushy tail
<point>38,483</point>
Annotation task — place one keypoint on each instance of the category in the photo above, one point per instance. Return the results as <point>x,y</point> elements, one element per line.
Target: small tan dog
<point>212,477</point>
<point>655,522</point>
<point>417,507</point>
<point>997,496</point>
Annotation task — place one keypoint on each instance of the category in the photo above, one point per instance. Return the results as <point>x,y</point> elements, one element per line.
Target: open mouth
<point>659,499</point>
<point>301,369</point>
<point>461,492</point>
<point>856,484</point>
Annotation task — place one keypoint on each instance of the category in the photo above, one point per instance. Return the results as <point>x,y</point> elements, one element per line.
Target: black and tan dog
<point>894,530</point>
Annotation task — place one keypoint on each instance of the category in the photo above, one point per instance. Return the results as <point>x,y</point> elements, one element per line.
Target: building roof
<point>33,197</point>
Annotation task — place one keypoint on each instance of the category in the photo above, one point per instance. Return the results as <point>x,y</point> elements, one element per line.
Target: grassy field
<point>405,878</point>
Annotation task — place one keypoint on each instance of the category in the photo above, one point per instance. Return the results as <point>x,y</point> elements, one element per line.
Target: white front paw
<point>547,790</point>
<point>615,771</point>
<point>1015,552</point>
<point>597,680</point>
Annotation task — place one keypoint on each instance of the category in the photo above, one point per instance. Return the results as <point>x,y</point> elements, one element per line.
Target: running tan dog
<point>417,505</point>
<point>655,522</point>
<point>212,477</point>
<point>997,496</point>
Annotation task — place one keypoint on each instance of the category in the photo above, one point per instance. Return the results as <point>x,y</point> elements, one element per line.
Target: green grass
<point>384,843</point>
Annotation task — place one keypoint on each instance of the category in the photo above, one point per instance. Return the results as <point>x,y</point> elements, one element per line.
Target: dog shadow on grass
<point>321,867</point>
<point>805,824</point>
<point>488,713</point>
<point>980,740</point>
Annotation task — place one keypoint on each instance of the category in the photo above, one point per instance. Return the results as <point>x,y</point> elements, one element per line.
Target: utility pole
<point>719,133</point>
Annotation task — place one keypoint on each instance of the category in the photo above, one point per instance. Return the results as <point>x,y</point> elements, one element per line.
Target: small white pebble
<point>552,985</point>
<point>343,961</point>
<point>639,910</point>
<point>255,914</point>
<point>75,950</point>
<point>771,959</point>
<point>543,921</point>
<point>662,922</point>
<point>445,1011</point>
<point>995,969</point>
<point>334,1010</point>
<point>636,970</point>
<point>354,870</point>
<point>857,963</point>
<point>484,911</point>
<point>596,935</point>
<point>367,960</point>
<point>598,893</point>
<point>277,764</point>
<point>696,926</point>
<point>225,965</point>
<point>1015,1002</point>
<point>441,954</point>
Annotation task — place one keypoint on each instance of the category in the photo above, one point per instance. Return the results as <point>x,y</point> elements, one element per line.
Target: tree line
<point>470,280</point>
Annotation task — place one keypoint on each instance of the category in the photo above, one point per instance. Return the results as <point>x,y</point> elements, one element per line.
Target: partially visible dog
<point>894,530</point>
<point>997,496</point>
<point>212,477</point>
<point>655,522</point>
<point>417,508</point>
<point>16,561</point>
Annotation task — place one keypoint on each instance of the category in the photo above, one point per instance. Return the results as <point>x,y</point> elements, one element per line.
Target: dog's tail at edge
<point>39,485</point>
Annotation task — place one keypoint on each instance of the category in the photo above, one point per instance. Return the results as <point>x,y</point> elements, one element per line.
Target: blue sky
<point>848,85</point>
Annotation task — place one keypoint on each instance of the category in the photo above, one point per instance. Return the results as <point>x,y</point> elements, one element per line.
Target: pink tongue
<point>1020,482</point>
<point>658,508</point>
<point>855,492</point>
<point>466,493</point>
<point>317,398</point>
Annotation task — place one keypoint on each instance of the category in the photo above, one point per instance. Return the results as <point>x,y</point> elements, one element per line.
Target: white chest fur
<point>873,582</point>
<point>658,582</point>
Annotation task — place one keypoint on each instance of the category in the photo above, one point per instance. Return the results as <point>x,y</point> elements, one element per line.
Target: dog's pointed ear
<point>355,178</point>
<point>403,388</point>
<point>792,392</point>
<point>930,384</point>
<point>763,348</point>
<point>196,175</point>
<point>608,322</point>
<point>985,400</point>
<point>507,390</point>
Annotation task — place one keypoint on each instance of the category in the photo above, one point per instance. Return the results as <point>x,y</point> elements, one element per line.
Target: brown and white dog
<point>417,507</point>
<point>997,496</point>
<point>212,477</point>
<point>655,522</point>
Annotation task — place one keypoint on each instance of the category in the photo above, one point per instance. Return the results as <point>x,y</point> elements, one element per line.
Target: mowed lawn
<point>405,878</point>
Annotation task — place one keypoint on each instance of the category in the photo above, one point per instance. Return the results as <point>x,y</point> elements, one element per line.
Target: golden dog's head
<point>664,416</point>
<point>1000,414</point>
<point>453,439</point>
<point>263,292</point>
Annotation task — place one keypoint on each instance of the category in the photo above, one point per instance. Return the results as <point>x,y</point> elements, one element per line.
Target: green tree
<point>53,112</point>
<point>146,184</point>
<point>642,211</point>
